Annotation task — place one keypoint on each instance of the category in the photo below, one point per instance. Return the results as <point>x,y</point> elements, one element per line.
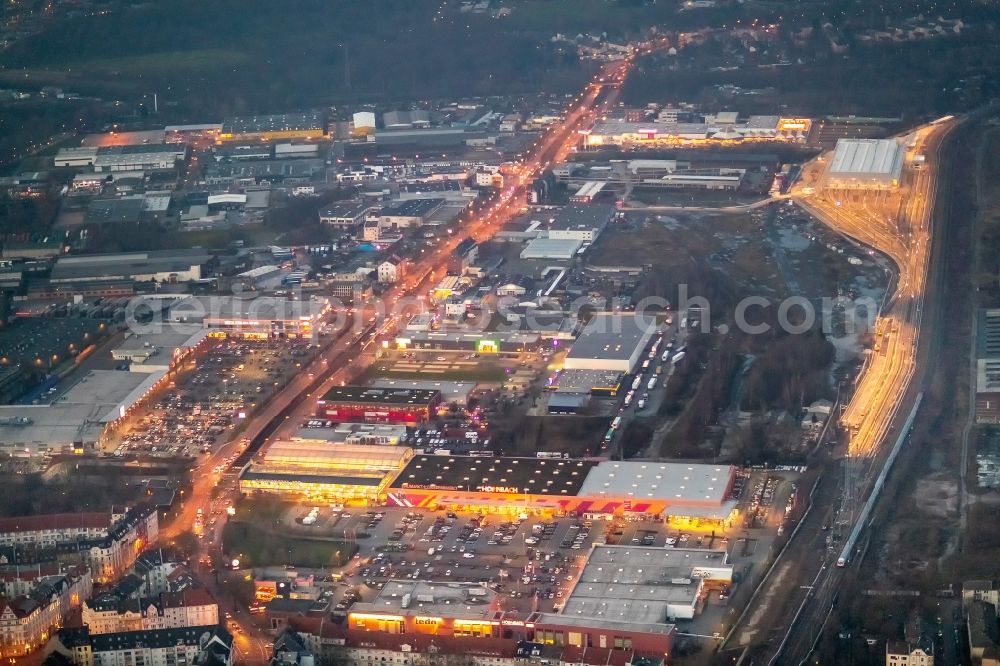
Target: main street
<point>358,335</point>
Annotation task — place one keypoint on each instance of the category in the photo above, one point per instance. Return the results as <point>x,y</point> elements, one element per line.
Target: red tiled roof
<point>55,521</point>
<point>10,572</point>
<point>196,596</point>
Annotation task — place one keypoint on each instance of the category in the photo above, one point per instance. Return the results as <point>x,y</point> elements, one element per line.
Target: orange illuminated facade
<point>542,628</point>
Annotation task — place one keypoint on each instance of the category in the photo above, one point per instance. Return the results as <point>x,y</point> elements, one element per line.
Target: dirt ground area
<point>773,252</point>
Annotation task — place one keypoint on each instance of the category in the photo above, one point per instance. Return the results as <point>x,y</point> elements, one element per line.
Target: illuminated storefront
<point>693,493</point>
<point>294,485</point>
<point>426,624</point>
<point>365,404</point>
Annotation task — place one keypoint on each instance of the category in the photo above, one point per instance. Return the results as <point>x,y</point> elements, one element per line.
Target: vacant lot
<point>256,547</point>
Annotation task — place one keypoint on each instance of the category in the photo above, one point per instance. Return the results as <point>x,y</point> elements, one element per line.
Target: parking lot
<point>525,556</point>
<point>220,388</point>
<point>46,342</point>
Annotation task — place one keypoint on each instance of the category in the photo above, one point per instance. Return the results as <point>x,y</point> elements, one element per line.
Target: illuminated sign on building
<point>487,346</point>
<point>794,124</point>
<point>426,621</point>
<point>497,489</point>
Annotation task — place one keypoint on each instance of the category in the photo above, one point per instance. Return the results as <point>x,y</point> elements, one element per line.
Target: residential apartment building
<point>900,653</point>
<point>107,543</point>
<point>48,531</point>
<point>27,621</point>
<point>390,270</point>
<point>188,646</point>
<point>108,613</point>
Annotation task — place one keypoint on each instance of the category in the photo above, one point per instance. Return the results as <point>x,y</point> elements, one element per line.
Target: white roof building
<point>631,584</point>
<point>612,342</point>
<point>551,248</point>
<point>866,163</point>
<point>699,487</point>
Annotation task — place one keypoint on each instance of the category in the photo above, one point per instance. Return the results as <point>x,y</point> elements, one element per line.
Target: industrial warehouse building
<point>722,127</point>
<point>274,127</point>
<point>677,492</point>
<point>156,266</point>
<point>866,163</point>
<point>347,215</point>
<point>262,317</point>
<point>556,249</point>
<point>576,222</point>
<point>81,418</point>
<point>988,366</point>
<point>366,474</point>
<point>140,157</point>
<point>371,434</point>
<point>378,405</point>
<point>638,585</point>
<point>471,615</point>
<point>159,350</point>
<point>494,342</point>
<point>613,342</point>
<point>409,212</point>
<point>319,470</point>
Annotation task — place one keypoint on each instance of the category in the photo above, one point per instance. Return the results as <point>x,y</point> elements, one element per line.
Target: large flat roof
<point>125,209</point>
<point>252,474</point>
<point>345,432</point>
<point>539,476</point>
<point>330,455</point>
<point>142,149</point>
<point>450,391</point>
<point>345,209</point>
<point>612,336</point>
<point>381,396</point>
<point>126,264</point>
<point>619,127</point>
<point>263,308</point>
<point>551,248</point>
<point>79,415</point>
<point>988,333</point>
<point>867,157</point>
<point>561,619</point>
<point>634,584</point>
<point>673,482</point>
<point>412,207</point>
<point>584,381</point>
<point>162,342</point>
<point>44,426</point>
<point>103,387</point>
<point>467,601</point>
<point>508,337</point>
<point>589,216</point>
<point>283,122</point>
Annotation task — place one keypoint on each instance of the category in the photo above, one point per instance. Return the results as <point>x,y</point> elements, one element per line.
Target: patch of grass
<point>256,547</point>
<point>262,510</point>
